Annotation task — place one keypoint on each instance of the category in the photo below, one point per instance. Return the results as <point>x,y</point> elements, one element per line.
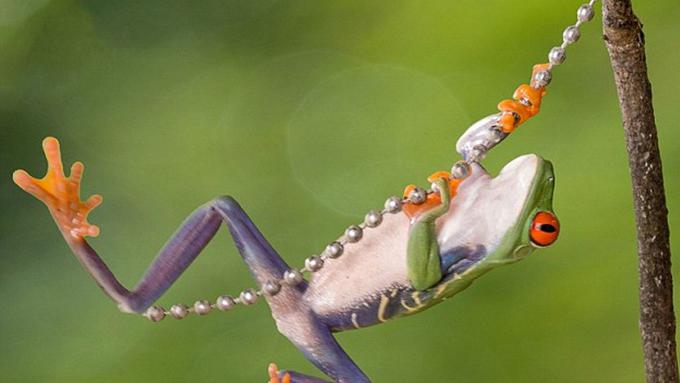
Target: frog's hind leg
<point>292,314</point>
<point>307,332</point>
<point>263,261</point>
<point>61,194</point>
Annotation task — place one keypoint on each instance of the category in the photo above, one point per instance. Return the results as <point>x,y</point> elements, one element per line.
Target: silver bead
<point>292,277</point>
<point>585,13</point>
<point>179,311</point>
<point>271,288</point>
<point>393,204</point>
<point>354,233</point>
<point>418,196</point>
<point>202,307</point>
<point>460,170</point>
<point>543,78</point>
<point>373,218</point>
<point>314,263</point>
<point>248,296</point>
<point>557,56</point>
<point>225,302</point>
<point>571,34</point>
<point>155,313</point>
<point>334,250</point>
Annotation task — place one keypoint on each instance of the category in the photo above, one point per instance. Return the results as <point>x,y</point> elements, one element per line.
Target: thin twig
<point>626,45</point>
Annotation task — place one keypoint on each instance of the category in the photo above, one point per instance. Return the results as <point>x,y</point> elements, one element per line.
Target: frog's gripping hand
<point>61,194</point>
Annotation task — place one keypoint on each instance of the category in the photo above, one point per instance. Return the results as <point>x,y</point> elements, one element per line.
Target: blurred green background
<point>310,114</point>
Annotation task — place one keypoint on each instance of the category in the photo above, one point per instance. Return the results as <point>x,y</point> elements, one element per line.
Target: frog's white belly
<point>369,266</point>
<point>483,211</point>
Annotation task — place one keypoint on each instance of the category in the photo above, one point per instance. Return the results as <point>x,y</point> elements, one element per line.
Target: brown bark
<point>625,42</point>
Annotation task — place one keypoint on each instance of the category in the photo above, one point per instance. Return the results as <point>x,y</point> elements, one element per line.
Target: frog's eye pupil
<point>544,229</point>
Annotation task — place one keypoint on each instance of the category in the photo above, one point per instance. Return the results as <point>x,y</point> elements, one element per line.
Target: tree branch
<point>625,42</point>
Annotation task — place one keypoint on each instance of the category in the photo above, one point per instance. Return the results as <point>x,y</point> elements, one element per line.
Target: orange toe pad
<point>273,371</point>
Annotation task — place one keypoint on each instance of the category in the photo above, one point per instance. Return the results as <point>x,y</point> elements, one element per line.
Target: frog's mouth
<point>488,211</point>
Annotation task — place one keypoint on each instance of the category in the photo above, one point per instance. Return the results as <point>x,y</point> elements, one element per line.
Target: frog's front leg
<point>423,258</point>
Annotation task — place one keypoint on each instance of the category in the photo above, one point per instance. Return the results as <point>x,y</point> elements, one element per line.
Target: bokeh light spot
<point>360,128</point>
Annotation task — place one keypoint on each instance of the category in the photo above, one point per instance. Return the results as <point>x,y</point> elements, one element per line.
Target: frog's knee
<point>227,204</point>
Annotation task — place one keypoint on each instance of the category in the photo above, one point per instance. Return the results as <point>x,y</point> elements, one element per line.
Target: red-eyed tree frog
<point>412,259</point>
<point>413,254</point>
<point>402,260</point>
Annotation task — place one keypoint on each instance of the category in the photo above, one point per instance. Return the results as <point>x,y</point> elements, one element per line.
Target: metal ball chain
<point>485,134</point>
<point>481,137</point>
<point>557,55</point>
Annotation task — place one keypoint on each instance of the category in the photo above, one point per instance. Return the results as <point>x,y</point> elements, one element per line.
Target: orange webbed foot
<point>61,194</point>
<point>274,375</point>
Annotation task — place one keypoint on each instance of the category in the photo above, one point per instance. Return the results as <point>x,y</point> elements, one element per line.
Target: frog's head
<point>503,219</point>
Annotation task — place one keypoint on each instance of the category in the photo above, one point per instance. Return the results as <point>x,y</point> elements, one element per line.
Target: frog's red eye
<point>544,229</point>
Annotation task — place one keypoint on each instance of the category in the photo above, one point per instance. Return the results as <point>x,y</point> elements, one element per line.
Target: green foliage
<point>311,113</point>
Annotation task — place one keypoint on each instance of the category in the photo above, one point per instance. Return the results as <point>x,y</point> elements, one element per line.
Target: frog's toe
<point>434,177</point>
<point>29,184</point>
<point>52,152</point>
<point>77,170</point>
<point>408,189</point>
<point>276,376</point>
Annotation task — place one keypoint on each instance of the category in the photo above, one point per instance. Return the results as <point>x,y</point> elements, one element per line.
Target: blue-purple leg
<point>293,317</point>
<point>182,248</point>
<point>314,339</point>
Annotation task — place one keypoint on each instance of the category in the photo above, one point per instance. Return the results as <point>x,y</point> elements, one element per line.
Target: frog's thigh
<point>302,327</point>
